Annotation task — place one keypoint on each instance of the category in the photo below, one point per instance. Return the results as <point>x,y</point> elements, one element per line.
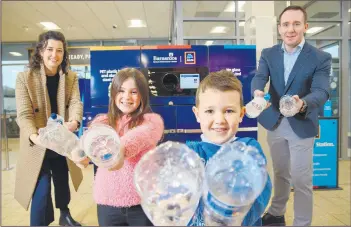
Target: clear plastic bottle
<point>169,181</point>
<point>234,177</point>
<point>78,154</point>
<point>255,107</point>
<point>288,106</point>
<point>57,137</point>
<point>55,118</point>
<point>101,144</point>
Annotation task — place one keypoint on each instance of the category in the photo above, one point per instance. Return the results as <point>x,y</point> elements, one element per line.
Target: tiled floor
<point>331,208</point>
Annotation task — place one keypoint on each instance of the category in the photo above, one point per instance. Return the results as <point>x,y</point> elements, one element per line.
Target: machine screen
<point>189,81</point>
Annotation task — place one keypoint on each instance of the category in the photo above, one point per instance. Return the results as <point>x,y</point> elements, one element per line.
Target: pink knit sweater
<point>116,188</point>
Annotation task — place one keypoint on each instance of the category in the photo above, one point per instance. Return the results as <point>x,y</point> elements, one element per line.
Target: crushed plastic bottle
<point>234,177</point>
<point>101,144</point>
<point>169,181</point>
<point>255,107</point>
<point>288,106</point>
<point>78,154</point>
<point>56,137</point>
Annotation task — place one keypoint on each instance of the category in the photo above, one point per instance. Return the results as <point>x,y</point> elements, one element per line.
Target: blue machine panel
<point>104,66</point>
<point>169,115</point>
<point>325,155</point>
<point>241,60</point>
<point>186,118</point>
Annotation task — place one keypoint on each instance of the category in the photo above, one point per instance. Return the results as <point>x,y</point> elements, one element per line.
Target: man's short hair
<point>294,8</point>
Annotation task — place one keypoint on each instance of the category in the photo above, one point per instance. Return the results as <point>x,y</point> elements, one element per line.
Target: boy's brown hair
<point>222,81</point>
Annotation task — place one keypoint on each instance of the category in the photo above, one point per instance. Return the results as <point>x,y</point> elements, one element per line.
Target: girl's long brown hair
<point>143,89</point>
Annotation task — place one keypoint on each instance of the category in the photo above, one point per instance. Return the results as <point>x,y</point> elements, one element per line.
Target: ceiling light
<point>230,8</point>
<point>136,23</point>
<point>219,29</point>
<point>49,26</point>
<point>241,6</point>
<point>15,54</point>
<point>242,23</point>
<point>314,30</point>
<point>350,10</point>
<point>209,42</point>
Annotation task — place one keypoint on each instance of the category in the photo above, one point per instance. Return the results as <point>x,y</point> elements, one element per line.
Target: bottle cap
<point>267,96</point>
<point>53,116</point>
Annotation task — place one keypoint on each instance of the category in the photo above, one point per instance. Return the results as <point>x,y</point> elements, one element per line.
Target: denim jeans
<point>122,216</point>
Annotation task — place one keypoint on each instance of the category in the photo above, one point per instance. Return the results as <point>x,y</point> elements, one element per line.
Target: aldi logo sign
<point>190,57</point>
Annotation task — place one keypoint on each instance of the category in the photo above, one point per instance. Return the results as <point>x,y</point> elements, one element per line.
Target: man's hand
<point>120,162</point>
<point>71,126</point>
<point>259,93</point>
<point>299,102</point>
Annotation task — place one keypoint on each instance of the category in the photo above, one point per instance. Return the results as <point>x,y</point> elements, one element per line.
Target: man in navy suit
<point>292,68</point>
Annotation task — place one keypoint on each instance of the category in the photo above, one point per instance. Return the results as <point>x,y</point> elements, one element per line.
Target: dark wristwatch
<point>304,106</point>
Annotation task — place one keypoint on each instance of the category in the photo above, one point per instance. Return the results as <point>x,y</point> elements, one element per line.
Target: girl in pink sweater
<point>140,130</point>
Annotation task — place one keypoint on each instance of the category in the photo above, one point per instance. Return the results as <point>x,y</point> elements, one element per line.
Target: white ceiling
<point>93,20</point>
<point>85,20</point>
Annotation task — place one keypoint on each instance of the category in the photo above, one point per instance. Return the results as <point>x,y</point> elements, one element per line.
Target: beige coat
<point>33,111</point>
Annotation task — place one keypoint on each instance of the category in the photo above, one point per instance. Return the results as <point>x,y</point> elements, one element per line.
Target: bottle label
<point>257,106</point>
<point>221,208</point>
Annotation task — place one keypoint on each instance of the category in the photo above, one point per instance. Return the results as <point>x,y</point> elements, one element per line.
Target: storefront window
<point>333,48</point>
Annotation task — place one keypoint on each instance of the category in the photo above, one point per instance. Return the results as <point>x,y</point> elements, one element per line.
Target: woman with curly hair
<point>47,87</point>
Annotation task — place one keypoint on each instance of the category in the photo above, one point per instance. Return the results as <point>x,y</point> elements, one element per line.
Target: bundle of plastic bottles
<point>288,106</point>
<point>235,176</point>
<point>169,180</point>
<point>101,144</point>
<point>255,107</point>
<point>57,137</point>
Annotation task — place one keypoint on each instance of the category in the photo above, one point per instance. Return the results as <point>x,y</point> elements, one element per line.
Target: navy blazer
<point>309,79</point>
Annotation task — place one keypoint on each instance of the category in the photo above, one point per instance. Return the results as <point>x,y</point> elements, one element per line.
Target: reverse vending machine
<point>174,74</point>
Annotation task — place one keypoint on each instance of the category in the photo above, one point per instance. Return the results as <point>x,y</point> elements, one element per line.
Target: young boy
<point>219,110</point>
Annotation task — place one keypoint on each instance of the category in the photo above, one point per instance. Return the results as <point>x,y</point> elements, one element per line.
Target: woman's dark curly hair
<point>36,58</point>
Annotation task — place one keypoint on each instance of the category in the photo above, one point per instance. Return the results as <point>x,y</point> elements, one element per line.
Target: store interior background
<point>138,23</point>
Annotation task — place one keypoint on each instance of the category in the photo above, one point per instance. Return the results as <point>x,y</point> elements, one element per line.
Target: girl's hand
<point>84,163</point>
<point>120,162</point>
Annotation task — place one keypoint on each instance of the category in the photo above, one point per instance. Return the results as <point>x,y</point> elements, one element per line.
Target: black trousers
<point>42,212</point>
<point>122,216</point>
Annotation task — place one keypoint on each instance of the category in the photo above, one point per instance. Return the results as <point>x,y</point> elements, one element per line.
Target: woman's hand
<point>36,140</point>
<point>120,162</point>
<point>71,126</point>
